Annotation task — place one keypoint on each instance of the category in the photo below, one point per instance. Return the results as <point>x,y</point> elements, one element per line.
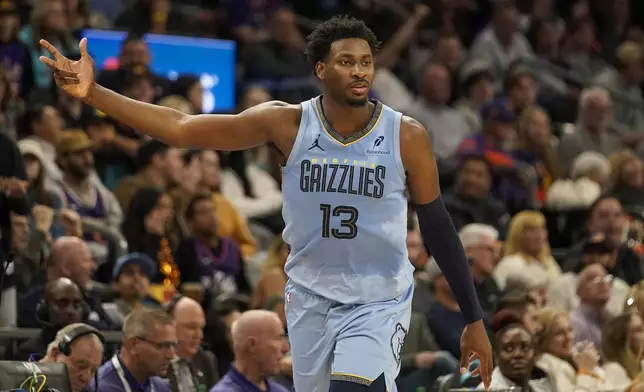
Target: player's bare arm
<point>443,241</point>
<point>251,128</point>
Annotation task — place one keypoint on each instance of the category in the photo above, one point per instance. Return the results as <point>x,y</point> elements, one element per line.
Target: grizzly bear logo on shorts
<point>397,341</point>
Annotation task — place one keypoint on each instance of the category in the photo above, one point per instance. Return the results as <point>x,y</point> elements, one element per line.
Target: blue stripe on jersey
<point>345,209</point>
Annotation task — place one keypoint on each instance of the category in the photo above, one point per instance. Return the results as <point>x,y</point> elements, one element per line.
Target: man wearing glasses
<point>149,343</point>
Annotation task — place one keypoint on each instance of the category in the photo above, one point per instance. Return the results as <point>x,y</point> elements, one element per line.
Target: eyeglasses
<point>161,346</point>
<point>606,279</point>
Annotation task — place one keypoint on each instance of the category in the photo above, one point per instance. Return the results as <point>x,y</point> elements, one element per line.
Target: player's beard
<point>357,102</point>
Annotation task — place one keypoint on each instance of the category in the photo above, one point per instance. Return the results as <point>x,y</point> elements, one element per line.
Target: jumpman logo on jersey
<point>316,143</point>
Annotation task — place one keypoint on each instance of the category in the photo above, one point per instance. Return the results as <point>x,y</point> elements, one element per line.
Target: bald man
<point>594,290</point>
<point>69,258</point>
<point>62,306</point>
<point>259,344</point>
<point>194,369</point>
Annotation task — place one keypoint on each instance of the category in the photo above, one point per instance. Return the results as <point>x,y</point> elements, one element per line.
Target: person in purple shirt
<point>149,343</point>
<point>260,346</point>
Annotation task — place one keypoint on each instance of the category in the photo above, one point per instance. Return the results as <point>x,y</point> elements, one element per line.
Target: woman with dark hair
<point>189,87</point>
<point>145,228</point>
<point>516,356</point>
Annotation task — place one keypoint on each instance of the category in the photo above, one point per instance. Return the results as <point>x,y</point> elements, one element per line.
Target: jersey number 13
<point>349,217</point>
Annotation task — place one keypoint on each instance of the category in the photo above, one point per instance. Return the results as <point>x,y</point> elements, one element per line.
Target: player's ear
<point>320,70</point>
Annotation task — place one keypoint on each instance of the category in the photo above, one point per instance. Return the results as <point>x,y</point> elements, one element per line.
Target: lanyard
<point>121,373</point>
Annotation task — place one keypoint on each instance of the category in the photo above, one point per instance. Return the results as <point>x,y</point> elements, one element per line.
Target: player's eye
<point>345,62</point>
<point>366,63</point>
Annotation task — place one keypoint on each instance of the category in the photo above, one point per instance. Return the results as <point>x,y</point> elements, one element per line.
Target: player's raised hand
<point>75,77</point>
<point>476,344</point>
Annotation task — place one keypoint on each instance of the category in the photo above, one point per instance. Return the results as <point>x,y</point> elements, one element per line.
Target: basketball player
<point>347,161</point>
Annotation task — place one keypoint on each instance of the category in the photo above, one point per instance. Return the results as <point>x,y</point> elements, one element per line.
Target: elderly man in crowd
<point>259,344</point>
<point>80,348</point>
<point>193,368</point>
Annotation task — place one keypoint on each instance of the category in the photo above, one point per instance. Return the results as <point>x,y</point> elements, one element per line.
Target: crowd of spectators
<point>536,112</point>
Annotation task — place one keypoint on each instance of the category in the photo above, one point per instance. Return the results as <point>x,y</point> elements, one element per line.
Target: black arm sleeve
<point>444,244</point>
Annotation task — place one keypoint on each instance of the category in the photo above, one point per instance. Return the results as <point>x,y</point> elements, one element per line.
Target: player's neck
<point>346,119</point>
<point>251,374</point>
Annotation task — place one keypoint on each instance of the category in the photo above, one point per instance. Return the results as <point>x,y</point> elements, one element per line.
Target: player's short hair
<point>141,321</point>
<point>335,29</point>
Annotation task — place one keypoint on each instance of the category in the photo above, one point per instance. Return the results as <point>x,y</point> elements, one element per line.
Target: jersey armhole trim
<point>298,139</point>
<point>398,156</point>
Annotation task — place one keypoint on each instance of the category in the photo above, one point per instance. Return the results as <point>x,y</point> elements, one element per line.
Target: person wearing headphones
<point>80,347</point>
<point>62,304</point>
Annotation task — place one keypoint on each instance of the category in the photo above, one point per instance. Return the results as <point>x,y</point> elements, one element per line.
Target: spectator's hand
<point>43,217</point>
<point>586,357</point>
<point>75,77</point>
<point>14,187</point>
<point>421,11</point>
<point>476,344</point>
<point>103,137</point>
<point>71,222</point>
<point>425,359</point>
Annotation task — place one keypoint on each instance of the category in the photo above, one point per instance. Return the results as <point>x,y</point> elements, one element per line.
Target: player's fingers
<point>486,371</point>
<point>465,354</point>
<point>83,48</point>
<point>66,79</point>
<point>70,80</point>
<point>61,73</point>
<point>48,62</point>
<point>50,48</point>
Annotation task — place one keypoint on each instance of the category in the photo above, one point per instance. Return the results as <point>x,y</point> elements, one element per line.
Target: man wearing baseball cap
<point>131,281</point>
<point>499,124</point>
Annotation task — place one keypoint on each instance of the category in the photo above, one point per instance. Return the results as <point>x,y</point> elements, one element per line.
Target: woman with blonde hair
<point>534,147</point>
<point>527,251</point>
<point>622,349</point>
<point>569,369</point>
<point>627,178</point>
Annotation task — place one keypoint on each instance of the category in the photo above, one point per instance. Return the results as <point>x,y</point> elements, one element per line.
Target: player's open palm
<point>75,77</point>
<point>475,344</point>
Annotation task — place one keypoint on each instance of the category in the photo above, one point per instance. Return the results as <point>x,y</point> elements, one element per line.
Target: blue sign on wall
<point>212,60</point>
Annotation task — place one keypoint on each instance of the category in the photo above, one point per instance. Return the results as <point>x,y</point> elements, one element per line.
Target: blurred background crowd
<point>536,112</point>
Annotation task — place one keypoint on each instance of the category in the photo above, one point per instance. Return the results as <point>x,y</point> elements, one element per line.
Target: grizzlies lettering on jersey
<point>345,209</point>
<point>342,178</point>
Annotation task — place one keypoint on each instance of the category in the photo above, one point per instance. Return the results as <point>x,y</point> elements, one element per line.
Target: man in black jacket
<point>194,368</point>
